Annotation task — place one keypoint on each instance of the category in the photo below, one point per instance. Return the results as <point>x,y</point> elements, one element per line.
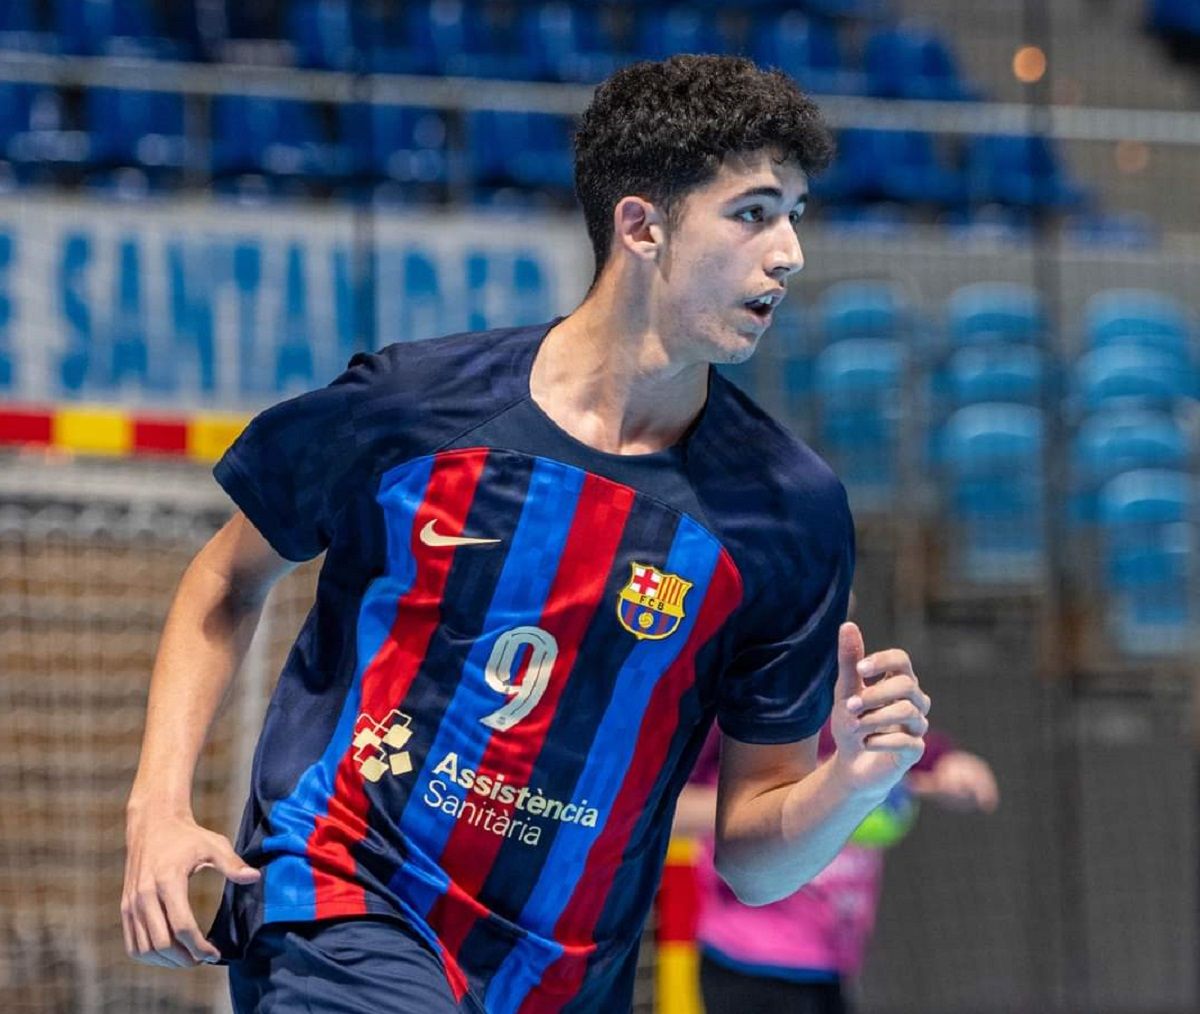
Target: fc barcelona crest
<point>650,606</point>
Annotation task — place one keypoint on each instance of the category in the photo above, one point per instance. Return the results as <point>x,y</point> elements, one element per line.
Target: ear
<point>639,228</point>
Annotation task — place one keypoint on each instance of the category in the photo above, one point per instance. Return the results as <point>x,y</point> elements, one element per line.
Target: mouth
<point>764,305</point>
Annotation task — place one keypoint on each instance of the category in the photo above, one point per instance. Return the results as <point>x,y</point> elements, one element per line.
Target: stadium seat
<point>908,62</point>
<point>1121,440</point>
<point>991,458</point>
<point>808,49</point>
<point>520,149</point>
<point>136,128</point>
<point>1000,373</point>
<point>137,28</point>
<point>278,137</point>
<point>1148,520</point>
<point>858,385</point>
<point>322,32</point>
<point>664,31</point>
<point>1138,317</point>
<point>1019,170</point>
<point>468,39</point>
<point>863,309</point>
<point>568,42</point>
<point>22,31</point>
<point>1137,377</point>
<point>991,312</point>
<point>889,165</point>
<point>405,144</point>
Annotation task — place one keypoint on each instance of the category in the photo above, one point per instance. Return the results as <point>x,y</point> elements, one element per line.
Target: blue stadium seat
<point>468,39</point>
<point>323,33</point>
<point>1002,373</point>
<point>568,42</point>
<point>807,49</point>
<point>406,144</point>
<point>1129,375</point>
<point>136,128</point>
<point>1175,17</point>
<point>863,309</point>
<point>857,386</point>
<point>1139,317</point>
<point>1149,535</point>
<point>21,30</point>
<point>36,136</point>
<point>991,457</point>
<point>136,28</point>
<point>520,149</point>
<point>907,62</point>
<point>990,312</point>
<point>889,165</point>
<point>1120,440</point>
<point>664,31</point>
<point>277,137</point>
<point>1020,170</point>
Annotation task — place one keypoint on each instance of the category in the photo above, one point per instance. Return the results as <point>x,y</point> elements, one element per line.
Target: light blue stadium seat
<point>1148,520</point>
<point>1000,372</point>
<point>1140,317</point>
<point>808,49</point>
<point>863,309</point>
<point>136,128</point>
<point>1130,375</point>
<point>991,459</point>
<point>1121,440</point>
<point>1020,170</point>
<point>910,62</point>
<point>991,312</point>
<point>858,384</point>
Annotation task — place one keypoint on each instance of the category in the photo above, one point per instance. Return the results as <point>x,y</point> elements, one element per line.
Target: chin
<point>732,355</point>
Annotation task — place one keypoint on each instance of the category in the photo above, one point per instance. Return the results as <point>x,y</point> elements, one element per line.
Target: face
<point>728,258</point>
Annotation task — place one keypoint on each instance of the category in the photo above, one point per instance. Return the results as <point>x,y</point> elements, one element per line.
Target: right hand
<point>161,854</point>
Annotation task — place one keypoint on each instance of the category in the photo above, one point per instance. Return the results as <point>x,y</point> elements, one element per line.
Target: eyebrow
<point>766,191</point>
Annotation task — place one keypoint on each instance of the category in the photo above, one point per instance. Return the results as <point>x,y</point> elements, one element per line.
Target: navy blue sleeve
<point>295,464</point>
<point>778,686</point>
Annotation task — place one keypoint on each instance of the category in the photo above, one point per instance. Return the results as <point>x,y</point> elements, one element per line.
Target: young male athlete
<point>553,555</point>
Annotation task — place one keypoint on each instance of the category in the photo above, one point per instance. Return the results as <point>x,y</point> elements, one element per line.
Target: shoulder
<point>778,509</point>
<point>752,459</point>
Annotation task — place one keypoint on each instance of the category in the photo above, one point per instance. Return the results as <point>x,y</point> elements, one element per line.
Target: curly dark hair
<point>658,129</point>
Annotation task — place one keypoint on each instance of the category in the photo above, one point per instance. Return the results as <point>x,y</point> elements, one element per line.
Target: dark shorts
<point>343,966</point>
<point>728,991</point>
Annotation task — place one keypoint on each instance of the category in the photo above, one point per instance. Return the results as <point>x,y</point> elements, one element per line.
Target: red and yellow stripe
<point>113,432</point>
<point>677,969</point>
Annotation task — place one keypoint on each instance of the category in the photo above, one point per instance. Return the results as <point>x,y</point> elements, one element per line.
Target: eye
<point>795,217</point>
<point>754,214</point>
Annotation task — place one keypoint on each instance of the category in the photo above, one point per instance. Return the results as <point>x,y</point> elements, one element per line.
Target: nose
<point>786,257</point>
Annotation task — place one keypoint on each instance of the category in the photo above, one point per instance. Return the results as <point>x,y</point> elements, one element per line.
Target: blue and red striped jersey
<point>517,647</point>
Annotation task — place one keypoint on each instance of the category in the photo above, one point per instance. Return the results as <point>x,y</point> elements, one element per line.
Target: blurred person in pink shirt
<point>796,954</point>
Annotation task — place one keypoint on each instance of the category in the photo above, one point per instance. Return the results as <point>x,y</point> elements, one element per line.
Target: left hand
<point>879,714</point>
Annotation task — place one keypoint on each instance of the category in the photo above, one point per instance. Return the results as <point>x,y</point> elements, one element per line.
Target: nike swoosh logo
<point>431,537</point>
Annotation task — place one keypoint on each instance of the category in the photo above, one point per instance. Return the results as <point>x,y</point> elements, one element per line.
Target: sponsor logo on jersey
<point>379,746</point>
<point>650,606</point>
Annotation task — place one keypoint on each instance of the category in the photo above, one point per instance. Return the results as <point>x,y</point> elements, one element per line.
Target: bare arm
<point>781,816</point>
<point>207,632</point>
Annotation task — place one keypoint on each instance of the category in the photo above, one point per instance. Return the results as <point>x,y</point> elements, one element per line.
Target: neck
<point>608,377</point>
